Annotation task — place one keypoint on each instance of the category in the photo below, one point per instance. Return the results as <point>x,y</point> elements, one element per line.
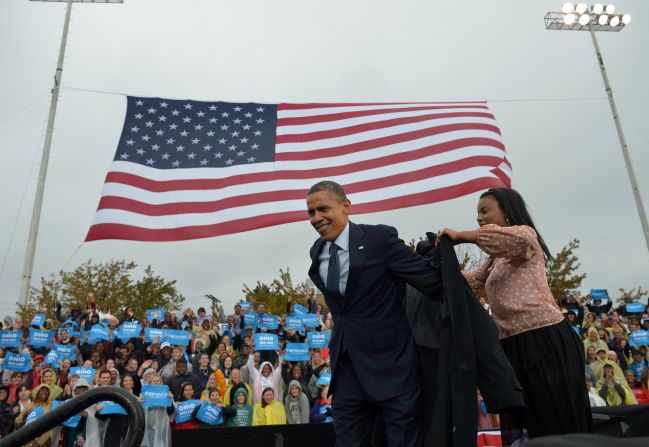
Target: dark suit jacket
<point>369,321</point>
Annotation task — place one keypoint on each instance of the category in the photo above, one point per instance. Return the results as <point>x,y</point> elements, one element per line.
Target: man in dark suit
<point>362,271</point>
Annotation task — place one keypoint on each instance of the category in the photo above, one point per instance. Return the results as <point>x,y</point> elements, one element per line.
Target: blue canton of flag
<point>169,134</point>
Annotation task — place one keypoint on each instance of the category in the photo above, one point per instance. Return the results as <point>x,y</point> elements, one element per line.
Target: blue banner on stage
<point>639,338</point>
<point>112,408</point>
<point>635,308</point>
<point>151,334</point>
<point>210,414</point>
<point>318,339</point>
<point>98,332</point>
<point>294,324</point>
<point>156,396</point>
<point>185,409</point>
<point>40,339</point>
<point>250,320</point>
<point>300,309</point>
<point>269,322</point>
<point>296,352</point>
<point>17,362</point>
<point>71,422</point>
<point>10,339</point>
<point>37,412</point>
<point>128,330</point>
<point>155,314</point>
<point>310,320</point>
<point>38,320</point>
<point>266,342</point>
<point>324,379</point>
<point>85,372</point>
<point>66,351</point>
<point>175,337</point>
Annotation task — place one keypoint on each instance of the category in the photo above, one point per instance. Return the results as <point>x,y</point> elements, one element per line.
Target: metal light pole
<point>601,18</point>
<point>45,157</point>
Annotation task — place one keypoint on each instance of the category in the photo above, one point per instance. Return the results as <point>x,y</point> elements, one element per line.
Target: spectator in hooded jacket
<point>241,403</point>
<point>296,404</point>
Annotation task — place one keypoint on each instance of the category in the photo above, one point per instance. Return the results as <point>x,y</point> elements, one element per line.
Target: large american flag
<point>192,169</point>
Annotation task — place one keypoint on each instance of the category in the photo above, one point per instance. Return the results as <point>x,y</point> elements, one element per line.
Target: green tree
<point>631,296</point>
<point>276,294</point>
<point>562,273</point>
<point>109,284</point>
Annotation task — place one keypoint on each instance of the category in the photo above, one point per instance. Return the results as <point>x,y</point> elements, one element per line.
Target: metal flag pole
<point>28,266</point>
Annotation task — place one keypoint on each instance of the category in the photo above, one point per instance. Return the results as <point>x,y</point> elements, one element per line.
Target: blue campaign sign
<point>52,358</point>
<point>635,308</point>
<point>10,339</point>
<point>245,305</point>
<point>156,396</point>
<point>639,338</point>
<point>17,362</point>
<point>185,409</point>
<point>38,320</point>
<point>36,413</point>
<point>71,332</point>
<point>210,414</point>
<point>151,334</point>
<point>324,379</point>
<point>294,323</point>
<point>40,339</point>
<point>71,422</point>
<point>323,410</point>
<point>269,322</point>
<point>112,408</point>
<point>266,342</point>
<point>98,333</point>
<point>85,372</point>
<point>128,330</point>
<point>599,294</point>
<point>175,337</point>
<point>318,339</point>
<point>71,322</point>
<point>299,309</point>
<point>66,351</point>
<point>296,352</point>
<point>250,319</point>
<point>310,320</point>
<point>155,314</point>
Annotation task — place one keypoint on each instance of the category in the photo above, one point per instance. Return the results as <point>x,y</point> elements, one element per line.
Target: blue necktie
<point>333,274</point>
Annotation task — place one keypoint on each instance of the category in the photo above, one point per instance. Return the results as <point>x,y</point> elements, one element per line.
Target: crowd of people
<point>219,378</point>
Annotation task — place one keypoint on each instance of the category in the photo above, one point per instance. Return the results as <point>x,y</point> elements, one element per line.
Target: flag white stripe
<point>181,220</point>
<point>332,110</point>
<point>358,137</point>
<point>339,124</point>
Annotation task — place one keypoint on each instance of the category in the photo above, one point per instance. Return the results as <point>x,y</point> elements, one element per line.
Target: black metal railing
<point>76,405</point>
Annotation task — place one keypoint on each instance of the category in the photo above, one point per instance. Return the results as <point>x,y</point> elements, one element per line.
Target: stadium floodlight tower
<point>42,173</point>
<point>599,17</point>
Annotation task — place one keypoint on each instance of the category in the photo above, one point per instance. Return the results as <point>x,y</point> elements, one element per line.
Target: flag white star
<point>225,127</point>
<point>254,146</point>
<point>207,147</point>
<point>244,140</point>
<point>257,133</point>
<point>213,120</point>
<point>150,161</point>
<point>246,127</point>
<point>175,112</point>
<point>191,156</point>
<point>163,104</point>
<point>218,155</point>
<point>200,114</point>
<point>162,118</point>
<point>237,121</point>
<point>203,162</point>
<point>175,164</point>
<point>259,121</point>
<point>140,151</point>
<point>195,141</point>
<point>229,161</point>
<point>124,156</point>
<point>188,106</point>
<point>130,142</point>
<point>186,119</point>
<point>198,127</point>
<point>241,153</point>
<point>173,126</point>
<point>160,132</point>
<point>134,129</point>
<point>165,156</point>
<point>139,103</point>
<point>248,115</point>
<point>155,147</point>
<point>184,133</point>
<point>151,110</point>
<point>237,109</point>
<point>235,134</point>
<point>146,137</point>
<point>222,141</point>
<point>213,108</point>
<point>233,147</point>
<point>210,133</point>
<point>180,148</point>
<point>138,116</point>
<point>251,159</point>
<point>171,141</point>
<point>225,114</point>
<point>260,109</point>
<point>149,124</point>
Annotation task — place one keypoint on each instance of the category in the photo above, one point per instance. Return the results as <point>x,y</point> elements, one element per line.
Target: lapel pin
<point>361,247</point>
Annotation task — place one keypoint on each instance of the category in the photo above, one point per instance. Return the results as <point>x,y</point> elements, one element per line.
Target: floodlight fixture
<point>567,8</point>
<point>581,8</point>
<point>603,19</point>
<point>610,9</point>
<point>584,19</point>
<point>615,21</point>
<point>597,8</point>
<point>626,19</point>
<point>569,19</point>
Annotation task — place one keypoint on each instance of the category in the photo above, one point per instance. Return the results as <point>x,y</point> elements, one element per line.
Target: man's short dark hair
<point>328,185</point>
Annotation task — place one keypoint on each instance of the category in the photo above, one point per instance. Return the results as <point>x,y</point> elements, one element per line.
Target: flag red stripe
<point>383,141</point>
<point>365,127</point>
<point>205,184</point>
<point>128,232</point>
<point>298,120</point>
<point>321,105</point>
<point>114,202</point>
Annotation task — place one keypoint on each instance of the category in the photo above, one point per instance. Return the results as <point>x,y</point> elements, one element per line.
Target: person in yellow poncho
<point>48,378</point>
<point>236,383</point>
<point>268,411</point>
<point>614,391</point>
<point>42,399</point>
<point>594,340</point>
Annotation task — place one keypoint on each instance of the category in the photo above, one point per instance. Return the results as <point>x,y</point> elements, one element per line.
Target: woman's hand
<point>458,237</point>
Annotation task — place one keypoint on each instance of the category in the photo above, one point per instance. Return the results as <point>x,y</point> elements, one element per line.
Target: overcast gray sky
<point>566,159</point>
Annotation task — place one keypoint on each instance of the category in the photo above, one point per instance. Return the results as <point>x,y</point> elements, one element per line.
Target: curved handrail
<point>77,404</point>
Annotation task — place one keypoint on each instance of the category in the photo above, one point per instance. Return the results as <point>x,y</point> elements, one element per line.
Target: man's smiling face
<point>328,213</point>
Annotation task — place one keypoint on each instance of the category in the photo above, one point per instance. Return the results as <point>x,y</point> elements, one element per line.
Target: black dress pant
<point>354,411</point>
